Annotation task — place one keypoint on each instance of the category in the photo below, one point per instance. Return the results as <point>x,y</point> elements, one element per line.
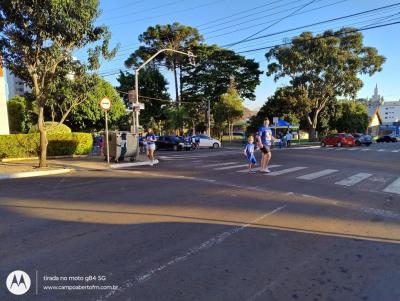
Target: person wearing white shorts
<point>150,145</point>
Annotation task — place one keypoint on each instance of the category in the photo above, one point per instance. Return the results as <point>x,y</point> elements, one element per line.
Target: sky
<point>224,22</point>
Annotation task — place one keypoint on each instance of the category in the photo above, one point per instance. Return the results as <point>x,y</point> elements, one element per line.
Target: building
<point>4,126</point>
<point>15,86</point>
<point>375,118</point>
<point>390,112</point>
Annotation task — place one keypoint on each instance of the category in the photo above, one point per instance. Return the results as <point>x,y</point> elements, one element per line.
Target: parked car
<point>386,138</point>
<point>395,136</point>
<point>206,141</point>
<point>339,140</point>
<point>172,143</point>
<point>362,139</point>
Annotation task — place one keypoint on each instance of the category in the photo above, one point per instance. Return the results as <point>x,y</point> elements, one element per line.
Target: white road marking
<point>396,151</point>
<point>284,171</point>
<point>365,149</point>
<point>231,167</point>
<point>190,252</point>
<point>394,187</point>
<point>318,174</point>
<point>352,149</point>
<point>218,164</point>
<point>258,168</point>
<point>381,150</point>
<point>354,179</point>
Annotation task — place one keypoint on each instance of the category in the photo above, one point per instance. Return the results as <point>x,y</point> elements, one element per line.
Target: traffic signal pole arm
<point>136,113</point>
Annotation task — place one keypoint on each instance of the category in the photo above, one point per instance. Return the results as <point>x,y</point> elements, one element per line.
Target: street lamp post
<point>135,113</point>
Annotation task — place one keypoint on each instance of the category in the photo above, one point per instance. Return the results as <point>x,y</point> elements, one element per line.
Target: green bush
<point>52,128</point>
<point>27,145</point>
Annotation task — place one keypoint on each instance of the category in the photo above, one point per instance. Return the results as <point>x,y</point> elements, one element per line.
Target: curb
<point>48,157</point>
<point>30,174</point>
<point>123,165</point>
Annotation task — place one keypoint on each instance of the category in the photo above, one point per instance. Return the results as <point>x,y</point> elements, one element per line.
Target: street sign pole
<point>108,148</point>
<point>105,105</point>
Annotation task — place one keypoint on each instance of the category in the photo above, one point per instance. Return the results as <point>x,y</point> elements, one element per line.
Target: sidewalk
<point>28,168</point>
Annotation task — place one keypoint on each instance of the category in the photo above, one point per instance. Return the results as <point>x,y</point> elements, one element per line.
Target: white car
<point>206,141</point>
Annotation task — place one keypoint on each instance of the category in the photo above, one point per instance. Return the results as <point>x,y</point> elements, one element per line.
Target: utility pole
<point>135,112</point>
<point>208,118</point>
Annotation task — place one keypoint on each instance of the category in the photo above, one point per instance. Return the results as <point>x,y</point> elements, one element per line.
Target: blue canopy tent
<point>282,124</point>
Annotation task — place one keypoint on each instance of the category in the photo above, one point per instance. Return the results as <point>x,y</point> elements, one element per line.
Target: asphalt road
<point>324,225</point>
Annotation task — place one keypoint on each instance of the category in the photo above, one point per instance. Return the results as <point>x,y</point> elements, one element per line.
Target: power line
<point>236,14</point>
<point>321,22</point>
<point>355,24</point>
<point>144,10</point>
<point>316,38</point>
<point>263,23</point>
<point>169,13</point>
<point>254,19</point>
<point>278,21</point>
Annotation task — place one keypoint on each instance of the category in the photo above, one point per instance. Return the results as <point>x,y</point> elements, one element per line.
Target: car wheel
<point>339,144</point>
<point>358,143</point>
<point>175,147</point>
<point>215,145</point>
<point>323,144</point>
<point>368,144</point>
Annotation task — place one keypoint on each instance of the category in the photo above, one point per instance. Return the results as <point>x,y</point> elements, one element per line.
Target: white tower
<point>4,127</point>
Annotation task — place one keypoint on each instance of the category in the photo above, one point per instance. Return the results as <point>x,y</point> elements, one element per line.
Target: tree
<point>173,36</point>
<point>18,114</point>
<point>152,84</point>
<point>209,79</point>
<point>324,67</point>
<point>89,116</point>
<point>38,36</point>
<point>352,117</point>
<point>229,109</point>
<point>287,103</point>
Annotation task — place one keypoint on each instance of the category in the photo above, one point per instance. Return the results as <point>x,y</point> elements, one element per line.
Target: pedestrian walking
<point>264,142</point>
<point>249,152</point>
<point>150,145</point>
<point>289,138</point>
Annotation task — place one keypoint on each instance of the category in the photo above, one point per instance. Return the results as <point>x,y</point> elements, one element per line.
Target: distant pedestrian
<point>249,152</point>
<point>289,138</point>
<point>264,142</point>
<point>151,145</point>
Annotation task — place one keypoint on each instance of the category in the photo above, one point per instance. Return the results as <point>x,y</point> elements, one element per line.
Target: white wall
<point>390,112</point>
<point>4,127</point>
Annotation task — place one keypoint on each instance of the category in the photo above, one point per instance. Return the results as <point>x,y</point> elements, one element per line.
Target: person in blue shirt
<point>249,152</point>
<point>264,142</point>
<point>150,145</point>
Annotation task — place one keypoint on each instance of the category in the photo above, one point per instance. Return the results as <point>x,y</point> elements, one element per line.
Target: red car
<point>339,140</point>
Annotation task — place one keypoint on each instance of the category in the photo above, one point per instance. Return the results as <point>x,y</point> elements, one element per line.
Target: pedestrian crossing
<point>351,149</point>
<point>304,173</point>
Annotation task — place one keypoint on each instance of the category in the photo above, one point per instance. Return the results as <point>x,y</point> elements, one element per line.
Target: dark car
<point>172,143</point>
<point>339,140</point>
<point>362,139</point>
<point>386,139</point>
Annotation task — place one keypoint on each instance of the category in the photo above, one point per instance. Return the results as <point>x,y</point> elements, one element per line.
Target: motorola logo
<point>18,282</point>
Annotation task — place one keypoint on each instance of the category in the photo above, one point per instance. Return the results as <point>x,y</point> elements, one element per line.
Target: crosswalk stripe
<point>396,151</point>
<point>218,164</point>
<point>318,174</point>
<point>394,187</point>
<point>231,167</point>
<point>352,149</point>
<point>258,168</point>
<point>365,149</point>
<point>381,150</point>
<point>354,179</point>
<point>284,171</point>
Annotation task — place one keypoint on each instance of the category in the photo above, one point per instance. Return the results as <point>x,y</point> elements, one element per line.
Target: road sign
<point>105,104</point>
<point>275,120</point>
<point>138,106</point>
<point>132,96</point>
